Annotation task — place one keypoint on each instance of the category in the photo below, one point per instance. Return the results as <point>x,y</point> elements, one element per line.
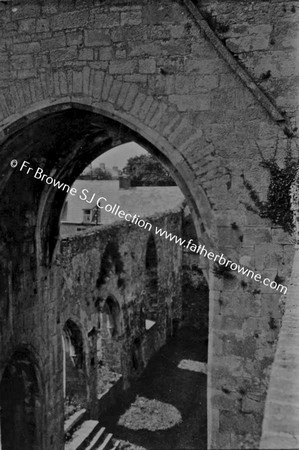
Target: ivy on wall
<point>277,207</point>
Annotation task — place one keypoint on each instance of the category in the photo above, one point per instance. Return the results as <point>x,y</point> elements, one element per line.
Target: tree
<point>145,170</point>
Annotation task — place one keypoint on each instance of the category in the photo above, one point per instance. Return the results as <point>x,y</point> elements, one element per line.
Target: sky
<point>118,156</point>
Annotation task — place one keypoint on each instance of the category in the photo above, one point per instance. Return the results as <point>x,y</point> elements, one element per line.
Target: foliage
<point>145,170</point>
<point>277,207</point>
<point>96,174</point>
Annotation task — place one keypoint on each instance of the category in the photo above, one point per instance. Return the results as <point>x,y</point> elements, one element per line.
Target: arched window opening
<point>111,318</point>
<point>151,259</point>
<point>111,336</point>
<point>20,405</point>
<point>74,373</point>
<point>111,265</point>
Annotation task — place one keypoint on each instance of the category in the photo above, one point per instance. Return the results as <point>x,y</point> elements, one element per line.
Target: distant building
<point>82,210</point>
<point>96,173</point>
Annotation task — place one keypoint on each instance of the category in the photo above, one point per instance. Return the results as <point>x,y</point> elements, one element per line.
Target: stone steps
<point>73,422</point>
<point>83,435</point>
<point>88,435</point>
<point>115,446</point>
<point>96,440</point>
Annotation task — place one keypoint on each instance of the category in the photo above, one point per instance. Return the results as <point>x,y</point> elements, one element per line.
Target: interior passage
<point>166,407</point>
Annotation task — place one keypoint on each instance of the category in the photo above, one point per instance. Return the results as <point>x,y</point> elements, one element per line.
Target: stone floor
<point>166,407</point>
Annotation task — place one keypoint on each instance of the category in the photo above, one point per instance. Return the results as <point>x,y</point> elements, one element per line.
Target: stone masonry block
<point>114,91</point>
<point>73,19</point>
<point>96,38</point>
<point>77,82</point>
<point>86,75</point>
<point>105,54</point>
<point>130,97</point>
<point>30,47</point>
<point>36,90</point>
<point>137,104</point>
<point>22,62</point>
<point>130,18</point>
<point>122,66</point>
<point>123,94</point>
<point>120,54</point>
<point>27,25</point>
<point>198,102</point>
<point>56,84</point>
<point>97,86</point>
<point>86,54</point>
<point>136,78</point>
<point>106,87</point>
<point>63,83</point>
<point>151,112</point>
<point>42,25</point>
<point>74,38</point>
<point>205,66</point>
<point>101,20</point>
<point>145,107</point>
<point>158,114</point>
<point>60,56</point>
<point>147,65</point>
<point>27,10</point>
<point>54,42</point>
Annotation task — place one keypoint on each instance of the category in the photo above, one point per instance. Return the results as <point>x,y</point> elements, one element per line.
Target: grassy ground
<point>166,407</point>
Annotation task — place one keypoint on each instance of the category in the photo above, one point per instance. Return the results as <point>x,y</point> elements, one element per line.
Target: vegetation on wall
<point>277,207</point>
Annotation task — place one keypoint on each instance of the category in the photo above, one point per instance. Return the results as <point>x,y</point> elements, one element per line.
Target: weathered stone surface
<point>153,70</point>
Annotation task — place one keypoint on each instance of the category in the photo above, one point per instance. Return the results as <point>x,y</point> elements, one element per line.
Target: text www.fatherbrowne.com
<point>39,174</point>
<point>200,249</point>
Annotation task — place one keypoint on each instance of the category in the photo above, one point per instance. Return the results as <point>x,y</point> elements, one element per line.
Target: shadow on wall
<point>20,426</point>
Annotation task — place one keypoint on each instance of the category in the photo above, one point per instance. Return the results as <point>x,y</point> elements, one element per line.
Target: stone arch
<point>104,128</point>
<point>128,127</point>
<point>21,421</point>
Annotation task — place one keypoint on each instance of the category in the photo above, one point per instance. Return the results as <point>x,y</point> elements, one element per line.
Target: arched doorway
<point>64,143</point>
<point>20,402</point>
<point>111,334</point>
<point>111,319</point>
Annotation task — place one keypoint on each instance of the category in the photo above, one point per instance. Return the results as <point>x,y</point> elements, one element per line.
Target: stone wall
<point>78,78</point>
<point>280,424</point>
<point>85,288</point>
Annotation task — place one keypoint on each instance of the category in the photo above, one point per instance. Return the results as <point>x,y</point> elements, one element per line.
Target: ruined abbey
<point>210,89</point>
